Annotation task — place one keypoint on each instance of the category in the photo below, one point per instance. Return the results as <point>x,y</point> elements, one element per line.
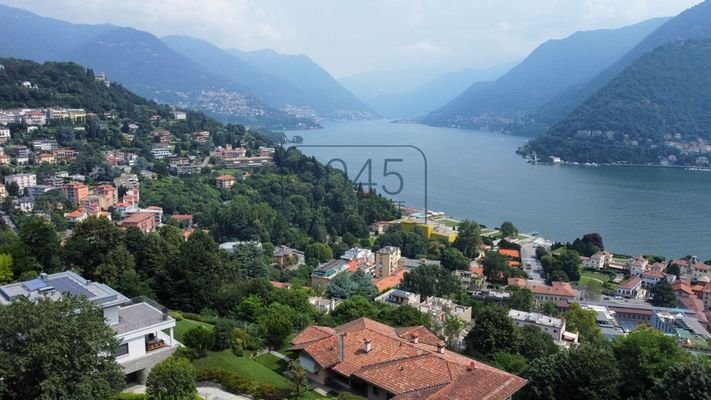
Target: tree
<point>353,308</point>
<point>686,380</point>
<point>317,253</point>
<point>508,230</point>
<point>251,260</point>
<point>57,349</point>
<point>91,245</point>
<point>536,343</point>
<point>496,266</point>
<point>594,239</point>
<point>172,379</point>
<point>224,334</point>
<point>583,372</point>
<point>468,238</point>
<point>549,308</point>
<point>644,356</point>
<point>454,260</point>
<point>431,280</point>
<point>453,327</point>
<point>592,290</point>
<point>511,363</point>
<point>521,299</point>
<point>276,323</point>
<point>298,377</point>
<point>199,339</point>
<point>569,262</point>
<point>5,268</point>
<point>663,295</point>
<point>582,321</point>
<point>493,332</point>
<point>42,239</point>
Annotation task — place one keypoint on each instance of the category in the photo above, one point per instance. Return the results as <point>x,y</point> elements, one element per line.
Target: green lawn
<point>272,362</point>
<point>242,366</point>
<point>450,222</point>
<point>187,324</point>
<point>594,276</point>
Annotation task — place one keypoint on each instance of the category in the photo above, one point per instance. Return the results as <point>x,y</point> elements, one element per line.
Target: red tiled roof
<point>631,283</point>
<point>403,368</point>
<point>280,285</point>
<point>389,282</point>
<point>510,253</point>
<point>562,289</point>
<point>682,286</point>
<point>182,216</point>
<point>225,178</point>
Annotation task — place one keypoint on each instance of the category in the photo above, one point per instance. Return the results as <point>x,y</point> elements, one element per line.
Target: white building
<point>553,327</point>
<point>360,255</point>
<point>138,324</point>
<point>638,266</point>
<point>180,115</point>
<point>4,135</point>
<point>598,260</point>
<point>160,153</point>
<point>22,180</point>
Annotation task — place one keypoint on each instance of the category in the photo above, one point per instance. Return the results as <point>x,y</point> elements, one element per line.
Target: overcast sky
<point>352,36</point>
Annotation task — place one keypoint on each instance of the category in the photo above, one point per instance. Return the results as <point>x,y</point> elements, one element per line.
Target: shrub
<point>224,334</point>
<point>129,396</point>
<point>232,383</point>
<point>177,315</point>
<point>173,378</point>
<point>200,339</point>
<point>201,318</point>
<point>269,392</point>
<point>187,353</point>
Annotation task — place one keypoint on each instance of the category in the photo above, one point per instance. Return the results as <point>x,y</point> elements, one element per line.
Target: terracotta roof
<point>682,286</point>
<point>510,253</point>
<point>138,217</point>
<point>401,367</point>
<point>520,282</point>
<point>631,283</point>
<point>556,289</point>
<point>182,216</point>
<point>280,285</point>
<point>225,178</point>
<point>701,267</point>
<point>389,282</point>
<point>477,271</point>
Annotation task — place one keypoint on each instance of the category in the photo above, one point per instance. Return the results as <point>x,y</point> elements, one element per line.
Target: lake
<point>477,175</point>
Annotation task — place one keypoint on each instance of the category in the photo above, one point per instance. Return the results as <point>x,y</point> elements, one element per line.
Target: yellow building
<point>430,230</point>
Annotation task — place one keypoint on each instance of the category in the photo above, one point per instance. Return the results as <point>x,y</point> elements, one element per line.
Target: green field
<point>593,276</point>
<point>187,324</point>
<point>242,366</point>
<point>273,362</point>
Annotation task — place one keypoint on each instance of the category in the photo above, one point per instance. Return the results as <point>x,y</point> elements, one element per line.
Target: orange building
<point>145,221</point>
<point>75,192</point>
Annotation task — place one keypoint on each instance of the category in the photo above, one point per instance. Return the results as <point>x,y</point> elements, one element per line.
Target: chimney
<point>43,276</point>
<point>367,345</point>
<point>472,366</point>
<point>415,338</point>
<point>440,347</point>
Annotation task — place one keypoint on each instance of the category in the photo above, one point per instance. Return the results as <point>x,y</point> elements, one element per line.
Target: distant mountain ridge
<point>658,110</point>
<point>143,64</point>
<point>694,23</point>
<point>509,102</point>
<point>322,91</point>
<point>427,94</point>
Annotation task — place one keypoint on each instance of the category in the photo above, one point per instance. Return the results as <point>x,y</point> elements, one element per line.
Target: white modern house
<point>553,327</point>
<point>140,324</point>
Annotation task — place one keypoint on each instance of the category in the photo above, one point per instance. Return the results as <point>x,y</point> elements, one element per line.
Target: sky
<point>354,36</point>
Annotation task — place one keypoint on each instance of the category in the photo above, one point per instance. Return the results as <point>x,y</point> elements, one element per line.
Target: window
<point>122,350</point>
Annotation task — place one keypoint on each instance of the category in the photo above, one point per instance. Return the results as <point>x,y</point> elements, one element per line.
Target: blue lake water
<point>477,175</point>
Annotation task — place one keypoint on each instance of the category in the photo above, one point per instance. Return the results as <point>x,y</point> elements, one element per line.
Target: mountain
<point>323,92</point>
<point>694,23</point>
<point>556,65</point>
<point>658,110</point>
<point>142,63</point>
<point>413,100</point>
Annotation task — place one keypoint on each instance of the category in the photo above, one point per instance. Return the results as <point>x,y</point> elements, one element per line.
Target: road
<point>530,263</point>
<point>8,221</point>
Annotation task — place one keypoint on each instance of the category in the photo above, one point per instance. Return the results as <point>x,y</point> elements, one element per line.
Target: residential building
<point>631,288</point>
<point>654,274</point>
<point>359,255</point>
<point>34,117</point>
<point>225,182</point>
<point>557,291</point>
<point>140,325</point>
<point>700,272</point>
<point>228,153</point>
<point>125,209</point>
<point>22,180</point>
<point>637,266</point>
<point>201,137</point>
<point>324,305</point>
<point>3,191</point>
<point>598,260</point>
<point>681,326</point>
<point>553,327</point>
<point>45,158</point>
<point>24,204</point>
<point>145,221</point>
<point>387,261</point>
<point>287,257</point>
<point>75,192</point>
<point>160,153</point>
<point>47,145</point>
<point>76,216</point>
<point>38,190</point>
<point>472,279</point>
<point>323,274</point>
<point>4,158</point>
<point>107,195</point>
<point>397,297</point>
<point>183,220</point>
<point>65,155</point>
<point>157,213</point>
<point>379,362</point>
<point>129,181</point>
<point>180,115</point>
<point>4,135</point>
